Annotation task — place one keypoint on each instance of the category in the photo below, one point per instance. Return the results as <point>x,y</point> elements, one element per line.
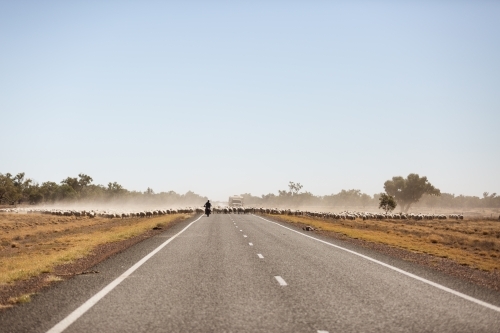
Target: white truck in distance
<point>235,201</point>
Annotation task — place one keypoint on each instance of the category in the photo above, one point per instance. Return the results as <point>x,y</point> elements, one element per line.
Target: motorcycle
<point>208,211</point>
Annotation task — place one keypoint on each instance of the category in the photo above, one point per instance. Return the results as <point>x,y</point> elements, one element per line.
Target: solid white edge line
<point>73,316</point>
<point>416,277</point>
<point>280,281</point>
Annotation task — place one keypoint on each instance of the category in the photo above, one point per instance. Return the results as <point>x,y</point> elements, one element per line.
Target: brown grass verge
<point>51,248</point>
<point>471,243</point>
<point>465,249</point>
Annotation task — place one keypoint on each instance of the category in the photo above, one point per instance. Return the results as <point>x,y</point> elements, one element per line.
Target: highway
<point>245,273</point>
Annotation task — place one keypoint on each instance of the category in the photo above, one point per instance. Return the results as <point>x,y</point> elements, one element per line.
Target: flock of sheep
<point>99,213</point>
<point>346,215</point>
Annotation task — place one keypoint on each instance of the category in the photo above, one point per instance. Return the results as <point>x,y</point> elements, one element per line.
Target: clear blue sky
<point>225,97</point>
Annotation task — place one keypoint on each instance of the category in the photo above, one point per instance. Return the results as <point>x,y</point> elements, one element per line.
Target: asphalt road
<point>242,273</point>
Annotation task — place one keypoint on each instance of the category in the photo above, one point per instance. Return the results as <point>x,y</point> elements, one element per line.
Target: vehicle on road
<point>207,206</point>
<point>235,201</point>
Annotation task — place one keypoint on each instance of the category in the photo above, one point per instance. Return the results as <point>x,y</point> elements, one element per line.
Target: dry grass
<point>53,278</point>
<point>31,244</point>
<point>26,298</point>
<point>475,243</point>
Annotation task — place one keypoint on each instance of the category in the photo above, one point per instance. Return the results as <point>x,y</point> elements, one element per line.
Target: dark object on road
<point>207,206</point>
<point>90,272</point>
<point>308,228</point>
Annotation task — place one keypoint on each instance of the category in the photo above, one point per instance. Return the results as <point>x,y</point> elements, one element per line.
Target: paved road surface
<point>242,273</point>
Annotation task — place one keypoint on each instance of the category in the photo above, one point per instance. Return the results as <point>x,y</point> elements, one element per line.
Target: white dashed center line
<point>245,236</point>
<point>322,331</point>
<point>251,244</point>
<point>280,281</point>
<point>260,256</point>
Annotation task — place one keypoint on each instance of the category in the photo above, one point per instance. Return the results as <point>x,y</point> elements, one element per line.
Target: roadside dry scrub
<point>32,244</point>
<point>469,243</point>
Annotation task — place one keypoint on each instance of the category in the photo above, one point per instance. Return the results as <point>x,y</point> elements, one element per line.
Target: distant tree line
<point>448,200</point>
<point>292,197</point>
<point>21,190</point>
<point>345,198</point>
<point>412,191</point>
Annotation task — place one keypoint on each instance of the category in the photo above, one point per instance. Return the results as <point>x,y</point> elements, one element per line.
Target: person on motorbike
<point>207,206</point>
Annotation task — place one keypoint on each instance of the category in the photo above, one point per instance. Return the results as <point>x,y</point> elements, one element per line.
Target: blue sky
<point>223,97</point>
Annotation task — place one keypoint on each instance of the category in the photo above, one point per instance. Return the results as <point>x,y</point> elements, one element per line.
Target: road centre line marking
<point>280,281</point>
<point>73,316</point>
<point>260,256</point>
<point>416,277</point>
<point>323,331</point>
<point>245,236</point>
<point>251,244</point>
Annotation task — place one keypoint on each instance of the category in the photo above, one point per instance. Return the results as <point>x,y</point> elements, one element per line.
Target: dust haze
<point>413,194</point>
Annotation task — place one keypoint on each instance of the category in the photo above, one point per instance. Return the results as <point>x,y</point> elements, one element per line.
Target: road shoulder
<point>101,267</point>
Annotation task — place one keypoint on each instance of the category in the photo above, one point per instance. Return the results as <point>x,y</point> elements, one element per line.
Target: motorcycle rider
<point>207,206</point>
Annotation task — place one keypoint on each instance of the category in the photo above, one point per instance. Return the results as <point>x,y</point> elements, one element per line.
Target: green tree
<point>9,192</point>
<point>294,188</point>
<point>250,200</point>
<point>407,191</point>
<point>72,182</point>
<point>387,202</point>
<point>24,187</point>
<point>365,200</point>
<point>15,189</point>
<point>115,190</point>
<point>32,194</point>
<point>84,184</point>
<point>49,191</point>
<point>347,198</point>
<point>66,192</point>
<point>35,196</point>
<point>84,180</point>
<point>78,184</point>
